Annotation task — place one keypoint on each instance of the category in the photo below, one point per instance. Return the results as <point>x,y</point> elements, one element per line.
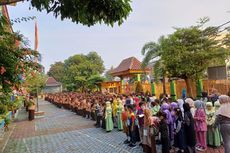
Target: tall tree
<point>108,76</point>
<point>57,71</point>
<point>188,52</point>
<point>79,70</point>
<point>152,52</point>
<point>86,12</point>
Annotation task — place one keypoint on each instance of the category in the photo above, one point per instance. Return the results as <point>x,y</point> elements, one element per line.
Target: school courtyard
<point>61,131</point>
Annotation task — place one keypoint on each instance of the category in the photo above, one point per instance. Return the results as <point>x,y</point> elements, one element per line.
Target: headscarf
<point>180,104</point>
<point>192,106</point>
<point>223,99</point>
<point>210,113</point>
<point>108,104</point>
<point>173,105</point>
<point>190,102</point>
<point>165,106</point>
<point>217,105</point>
<point>199,104</point>
<point>225,105</point>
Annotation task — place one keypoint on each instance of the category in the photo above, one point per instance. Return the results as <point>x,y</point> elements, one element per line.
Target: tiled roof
<point>52,82</point>
<point>130,63</point>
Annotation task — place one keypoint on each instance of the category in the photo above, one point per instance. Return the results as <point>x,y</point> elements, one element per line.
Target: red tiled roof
<point>130,63</point>
<point>52,82</point>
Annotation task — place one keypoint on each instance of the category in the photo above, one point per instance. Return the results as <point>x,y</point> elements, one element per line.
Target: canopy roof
<point>129,66</point>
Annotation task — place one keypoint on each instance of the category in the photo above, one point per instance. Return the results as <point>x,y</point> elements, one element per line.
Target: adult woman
<point>223,119</point>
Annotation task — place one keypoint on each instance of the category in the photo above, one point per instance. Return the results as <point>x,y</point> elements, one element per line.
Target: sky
<point>147,22</point>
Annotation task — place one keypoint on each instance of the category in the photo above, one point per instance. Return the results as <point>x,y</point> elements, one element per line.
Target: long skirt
<point>109,123</point>
<point>213,137</point>
<point>225,132</point>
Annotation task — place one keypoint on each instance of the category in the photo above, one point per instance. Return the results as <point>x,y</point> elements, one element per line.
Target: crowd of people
<point>185,125</point>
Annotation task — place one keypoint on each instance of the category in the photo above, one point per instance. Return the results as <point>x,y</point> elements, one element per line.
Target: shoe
<point>132,145</point>
<point>126,141</point>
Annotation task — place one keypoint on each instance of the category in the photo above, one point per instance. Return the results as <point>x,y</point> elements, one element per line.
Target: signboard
<point>217,73</point>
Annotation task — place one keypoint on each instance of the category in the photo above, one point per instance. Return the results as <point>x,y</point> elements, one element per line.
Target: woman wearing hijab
<point>213,134</point>
<point>108,117</point>
<point>223,119</point>
<point>192,106</point>
<point>180,104</point>
<point>189,132</point>
<point>200,126</point>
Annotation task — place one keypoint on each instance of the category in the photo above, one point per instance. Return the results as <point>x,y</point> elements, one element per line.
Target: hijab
<point>199,104</point>
<point>180,104</point>
<point>224,106</point>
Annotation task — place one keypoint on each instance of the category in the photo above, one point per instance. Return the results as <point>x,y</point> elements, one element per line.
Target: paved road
<point>61,131</point>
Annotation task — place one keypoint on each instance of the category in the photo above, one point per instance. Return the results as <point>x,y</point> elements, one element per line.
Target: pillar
<point>138,77</point>
<point>199,88</point>
<point>173,90</point>
<point>122,84</point>
<point>153,88</point>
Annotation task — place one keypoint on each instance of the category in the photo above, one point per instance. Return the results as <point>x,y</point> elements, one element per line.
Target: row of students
<point>185,124</point>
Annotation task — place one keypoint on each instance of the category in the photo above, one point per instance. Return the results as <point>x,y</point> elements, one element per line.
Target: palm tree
<point>152,52</point>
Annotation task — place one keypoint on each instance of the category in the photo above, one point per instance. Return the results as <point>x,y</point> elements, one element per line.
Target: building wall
<point>53,89</point>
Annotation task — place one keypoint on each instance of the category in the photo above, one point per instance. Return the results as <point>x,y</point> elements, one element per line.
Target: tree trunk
<point>189,87</point>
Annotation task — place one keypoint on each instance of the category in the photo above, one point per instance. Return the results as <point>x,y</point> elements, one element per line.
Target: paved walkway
<point>61,131</point>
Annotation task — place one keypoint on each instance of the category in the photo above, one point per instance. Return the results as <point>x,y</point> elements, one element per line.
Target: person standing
<point>108,117</point>
<point>119,115</point>
<point>223,120</point>
<point>164,133</point>
<point>200,126</point>
<point>213,134</point>
<point>189,132</point>
<point>140,117</point>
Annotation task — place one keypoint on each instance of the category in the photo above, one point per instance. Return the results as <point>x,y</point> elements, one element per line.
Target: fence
<point>222,86</point>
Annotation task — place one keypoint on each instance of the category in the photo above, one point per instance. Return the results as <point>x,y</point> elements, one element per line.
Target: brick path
<point>61,131</point>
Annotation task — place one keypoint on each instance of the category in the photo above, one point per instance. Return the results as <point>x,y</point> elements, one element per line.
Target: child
<point>179,141</point>
<point>119,115</point>
<point>140,117</point>
<point>164,132</point>
<point>213,133</point>
<point>131,124</point>
<point>200,126</point>
<point>156,107</point>
<point>146,132</point>
<point>124,123</point>
<point>108,117</point>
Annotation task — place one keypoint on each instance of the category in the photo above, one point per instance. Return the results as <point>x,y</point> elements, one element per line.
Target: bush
<point>3,109</point>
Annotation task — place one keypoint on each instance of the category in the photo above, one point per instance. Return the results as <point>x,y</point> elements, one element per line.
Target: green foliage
<point>57,71</point>
<point>3,109</point>
<point>152,52</point>
<point>86,12</point>
<point>35,81</point>
<point>189,51</point>
<point>108,76</point>
<point>14,58</point>
<point>79,72</point>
